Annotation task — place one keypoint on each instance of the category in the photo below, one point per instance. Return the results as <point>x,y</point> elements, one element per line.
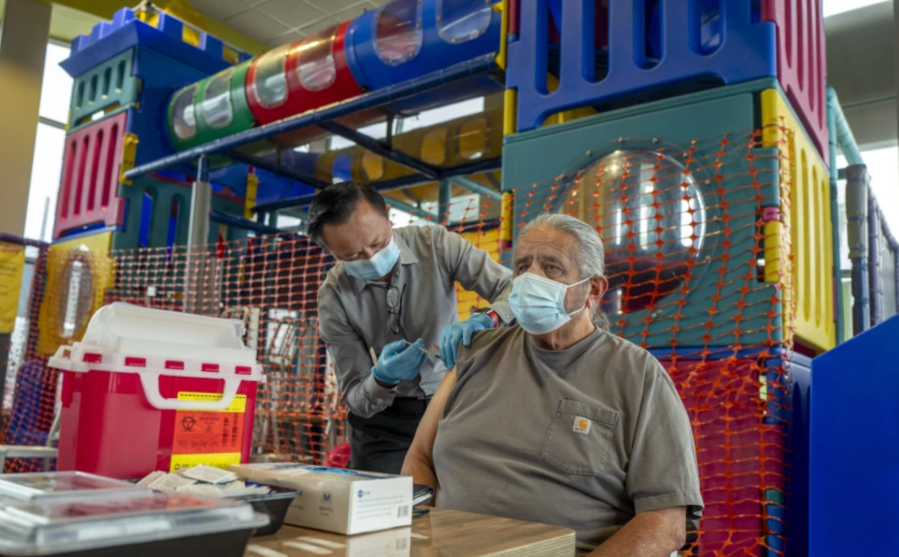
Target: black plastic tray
<point>221,544</point>
<point>274,504</point>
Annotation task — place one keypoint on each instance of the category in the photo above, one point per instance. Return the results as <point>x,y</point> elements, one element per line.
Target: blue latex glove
<point>399,362</point>
<point>461,332</point>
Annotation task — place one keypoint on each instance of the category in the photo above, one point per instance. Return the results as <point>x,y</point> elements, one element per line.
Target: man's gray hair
<point>590,256</point>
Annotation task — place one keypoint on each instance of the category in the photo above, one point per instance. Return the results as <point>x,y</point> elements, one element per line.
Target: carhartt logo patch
<point>581,425</point>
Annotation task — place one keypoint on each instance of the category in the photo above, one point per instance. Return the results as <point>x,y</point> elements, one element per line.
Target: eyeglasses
<point>395,308</point>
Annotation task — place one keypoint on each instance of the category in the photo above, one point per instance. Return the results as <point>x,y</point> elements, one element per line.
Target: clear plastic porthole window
<point>398,33</point>
<point>184,121</point>
<point>316,68</point>
<point>459,21</point>
<point>653,224</point>
<point>216,106</point>
<point>270,83</point>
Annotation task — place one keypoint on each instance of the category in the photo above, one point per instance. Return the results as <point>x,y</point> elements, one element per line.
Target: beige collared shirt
<point>353,314</point>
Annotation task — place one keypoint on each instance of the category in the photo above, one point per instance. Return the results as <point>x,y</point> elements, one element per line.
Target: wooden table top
<point>440,533</point>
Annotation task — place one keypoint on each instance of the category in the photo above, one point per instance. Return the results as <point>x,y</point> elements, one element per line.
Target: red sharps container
<point>148,389</point>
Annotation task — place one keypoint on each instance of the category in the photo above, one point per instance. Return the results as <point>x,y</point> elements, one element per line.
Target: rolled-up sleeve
<point>351,358</point>
<point>475,270</point>
<point>663,471</point>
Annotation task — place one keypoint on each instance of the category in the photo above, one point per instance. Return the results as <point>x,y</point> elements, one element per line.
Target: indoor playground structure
<point>698,136</point>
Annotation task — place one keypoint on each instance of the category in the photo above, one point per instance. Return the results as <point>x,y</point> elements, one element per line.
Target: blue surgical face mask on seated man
<point>538,303</point>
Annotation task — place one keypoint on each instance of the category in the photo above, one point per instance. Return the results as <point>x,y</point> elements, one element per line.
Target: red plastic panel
<point>317,74</point>
<point>802,63</point>
<point>740,458</point>
<point>90,177</point>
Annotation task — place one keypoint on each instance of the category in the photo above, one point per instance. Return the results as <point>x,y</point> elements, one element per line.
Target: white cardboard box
<point>336,500</point>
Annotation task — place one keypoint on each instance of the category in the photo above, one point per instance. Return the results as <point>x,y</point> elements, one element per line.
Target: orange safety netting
<point>698,255</point>
<point>30,391</point>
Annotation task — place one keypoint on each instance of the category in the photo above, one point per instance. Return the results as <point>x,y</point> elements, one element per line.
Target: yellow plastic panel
<point>774,257</point>
<point>808,259</point>
<point>129,155</point>
<point>324,165</point>
<point>250,200</point>
<point>489,241</point>
<point>372,166</point>
<point>508,217</point>
<point>230,55</point>
<point>510,111</point>
<point>503,7</point>
<point>480,136</point>
<point>433,147</point>
<point>473,141</point>
<point>79,272</point>
<point>12,263</point>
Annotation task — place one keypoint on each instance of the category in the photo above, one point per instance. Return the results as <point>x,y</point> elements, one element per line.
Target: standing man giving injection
<point>390,298</point>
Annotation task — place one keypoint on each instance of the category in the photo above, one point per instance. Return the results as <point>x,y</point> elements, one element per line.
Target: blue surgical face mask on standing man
<point>378,266</point>
<point>538,303</point>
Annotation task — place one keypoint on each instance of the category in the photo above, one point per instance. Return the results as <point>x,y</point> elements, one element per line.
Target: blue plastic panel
<point>159,212</point>
<point>161,76</point>
<point>274,188</point>
<point>540,156</point>
<point>271,187</point>
<point>746,53</point>
<point>797,520</point>
<point>124,32</point>
<point>342,169</point>
<point>854,487</point>
<point>435,53</point>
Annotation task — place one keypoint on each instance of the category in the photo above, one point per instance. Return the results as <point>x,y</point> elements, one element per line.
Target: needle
<point>428,352</point>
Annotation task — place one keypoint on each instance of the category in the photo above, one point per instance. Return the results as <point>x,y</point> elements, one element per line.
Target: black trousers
<point>380,443</point>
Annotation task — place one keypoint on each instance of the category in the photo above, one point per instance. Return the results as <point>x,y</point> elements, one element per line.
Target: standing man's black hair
<point>336,204</point>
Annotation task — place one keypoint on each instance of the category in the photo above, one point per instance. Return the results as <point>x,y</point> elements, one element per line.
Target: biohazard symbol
<point>188,423</point>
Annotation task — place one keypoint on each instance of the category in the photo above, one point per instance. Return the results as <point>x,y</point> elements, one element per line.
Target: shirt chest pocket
<point>580,438</point>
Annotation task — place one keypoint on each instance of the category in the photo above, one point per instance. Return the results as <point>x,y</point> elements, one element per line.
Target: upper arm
<point>346,346</point>
<point>333,320</point>
<point>472,267</point>
<point>422,449</point>
<point>451,248</point>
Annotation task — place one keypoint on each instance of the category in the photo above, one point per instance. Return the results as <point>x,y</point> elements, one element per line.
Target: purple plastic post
<point>893,245</point>
<point>875,270</point>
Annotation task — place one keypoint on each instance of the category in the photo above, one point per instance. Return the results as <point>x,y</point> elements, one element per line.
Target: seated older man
<point>555,420</point>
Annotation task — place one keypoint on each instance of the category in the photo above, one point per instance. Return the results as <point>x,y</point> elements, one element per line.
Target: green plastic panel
<point>110,85</point>
<point>163,194</point>
<point>210,123</point>
<point>533,161</point>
